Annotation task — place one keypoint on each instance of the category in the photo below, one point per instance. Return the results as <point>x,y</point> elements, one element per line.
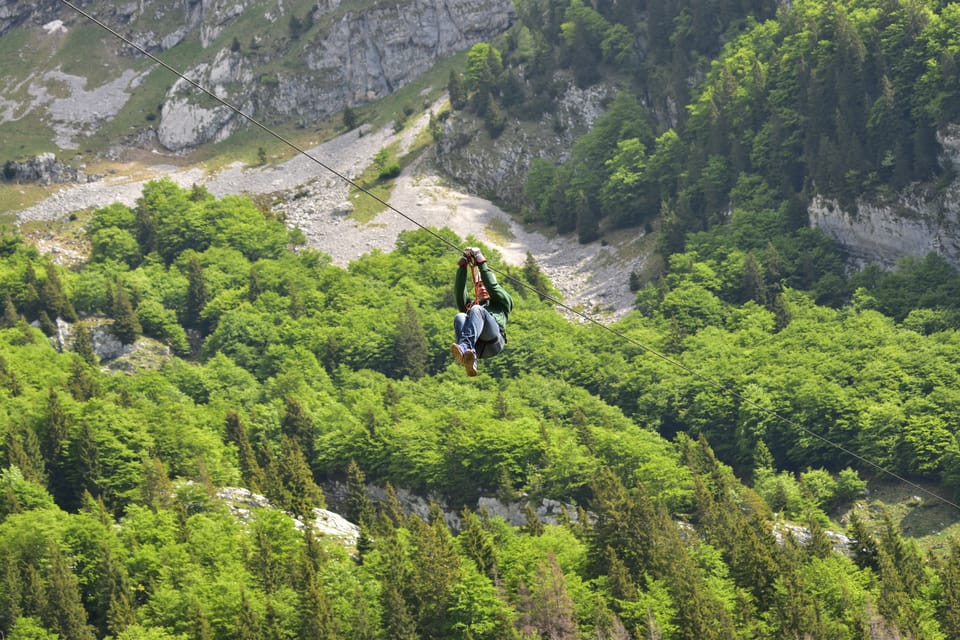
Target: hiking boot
<point>470,362</point>
<point>457,350</point>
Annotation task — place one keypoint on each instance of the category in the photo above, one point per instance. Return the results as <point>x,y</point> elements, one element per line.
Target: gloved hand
<point>462,262</point>
<point>477,255</point>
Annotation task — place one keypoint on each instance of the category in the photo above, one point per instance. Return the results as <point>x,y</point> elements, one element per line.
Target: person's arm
<point>460,286</point>
<point>494,288</point>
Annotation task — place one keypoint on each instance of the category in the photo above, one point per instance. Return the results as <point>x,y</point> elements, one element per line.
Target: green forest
<point>759,388</point>
<point>276,371</point>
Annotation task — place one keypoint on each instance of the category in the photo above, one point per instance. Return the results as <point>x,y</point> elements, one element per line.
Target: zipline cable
<point>254,121</point>
<point>516,281</point>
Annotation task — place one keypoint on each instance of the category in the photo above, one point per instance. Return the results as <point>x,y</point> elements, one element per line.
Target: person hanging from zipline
<point>480,326</point>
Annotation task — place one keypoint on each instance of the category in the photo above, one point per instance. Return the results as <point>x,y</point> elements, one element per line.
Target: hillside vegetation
<point>286,372</point>
<point>759,387</point>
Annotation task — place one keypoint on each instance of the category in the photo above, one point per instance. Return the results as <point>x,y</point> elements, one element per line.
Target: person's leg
<point>492,342</point>
<point>469,326</point>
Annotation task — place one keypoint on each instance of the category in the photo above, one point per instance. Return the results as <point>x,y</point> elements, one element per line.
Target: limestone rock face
<point>914,223</point>
<point>43,169</point>
<point>497,168</point>
<point>354,57</point>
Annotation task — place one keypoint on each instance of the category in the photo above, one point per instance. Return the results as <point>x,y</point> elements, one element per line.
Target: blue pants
<point>478,329</point>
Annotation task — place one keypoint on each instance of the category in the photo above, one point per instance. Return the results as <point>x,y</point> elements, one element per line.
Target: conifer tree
<point>10,316</point>
<point>247,626</point>
<point>197,294</point>
<point>358,509</point>
<point>457,90</point>
<point>818,545</point>
<point>532,524</point>
<point>398,623</point>
<point>391,507</point>
<point>250,469</point>
<point>477,543</point>
<point>949,570</point>
<point>54,430</point>
<point>552,608</point>
<point>298,425</point>
<point>301,493</point>
<point>83,344</point>
<point>410,344</point>
<point>156,490</point>
<point>64,609</point>
<point>47,325</point>
<point>53,299</point>
<point>436,570</point>
<point>863,545</point>
<point>126,325</point>
<point>82,384</point>
<point>30,298</point>
<point>11,589</point>
<point>200,621</point>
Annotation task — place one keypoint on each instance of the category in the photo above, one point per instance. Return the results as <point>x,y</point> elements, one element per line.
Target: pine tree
<point>552,608</point>
<point>863,545</point>
<point>477,543</point>
<point>949,570</point>
<point>83,344</point>
<point>9,379</point>
<point>391,507</point>
<point>54,429</point>
<point>298,425</point>
<point>587,219</point>
<point>126,326</point>
<point>11,589</point>
<point>300,491</point>
<point>82,384</point>
<point>818,545</point>
<point>30,298</point>
<point>10,316</point>
<point>532,524</point>
<point>410,344</point>
<point>197,294</point>
<point>156,490</point>
<point>535,276</point>
<point>436,571</point>
<point>249,467</point>
<point>247,626</point>
<point>398,624</point>
<point>64,611</point>
<point>359,509</point>
<point>457,90</point>
<point>47,325</point>
<point>52,297</point>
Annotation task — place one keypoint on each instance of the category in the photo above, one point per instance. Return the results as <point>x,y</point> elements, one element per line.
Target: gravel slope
<point>590,277</point>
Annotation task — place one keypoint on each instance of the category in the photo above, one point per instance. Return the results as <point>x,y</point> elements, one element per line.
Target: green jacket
<point>500,304</point>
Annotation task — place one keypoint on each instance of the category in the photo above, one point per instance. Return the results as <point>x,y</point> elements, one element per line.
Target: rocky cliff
<point>918,221</point>
<point>275,60</point>
<point>351,57</point>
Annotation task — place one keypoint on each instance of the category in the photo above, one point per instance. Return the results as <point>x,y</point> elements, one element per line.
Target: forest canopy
<point>274,370</point>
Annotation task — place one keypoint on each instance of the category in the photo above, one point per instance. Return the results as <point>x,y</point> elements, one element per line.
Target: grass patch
<point>498,228</point>
<point>14,197</point>
<point>928,521</point>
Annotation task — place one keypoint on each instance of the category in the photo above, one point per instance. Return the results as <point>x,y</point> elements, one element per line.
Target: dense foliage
<point>733,109</point>
<point>285,373</point>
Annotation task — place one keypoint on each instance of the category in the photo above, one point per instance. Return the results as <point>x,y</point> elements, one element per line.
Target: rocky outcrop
<point>14,13</point>
<point>497,168</point>
<point>883,233</point>
<point>918,221</point>
<point>44,169</point>
<point>354,57</point>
